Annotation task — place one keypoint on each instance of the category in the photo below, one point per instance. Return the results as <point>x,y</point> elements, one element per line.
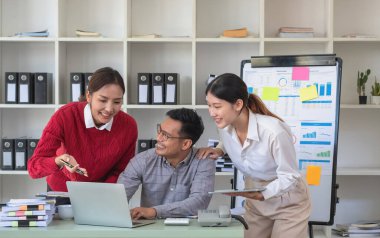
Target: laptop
<point>101,204</point>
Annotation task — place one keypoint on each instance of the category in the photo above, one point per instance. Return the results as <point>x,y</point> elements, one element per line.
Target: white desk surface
<point>68,229</point>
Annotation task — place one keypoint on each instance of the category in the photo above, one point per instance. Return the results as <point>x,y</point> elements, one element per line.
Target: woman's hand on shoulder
<point>209,152</point>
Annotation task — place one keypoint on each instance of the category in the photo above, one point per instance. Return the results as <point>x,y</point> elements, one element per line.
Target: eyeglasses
<point>166,136</point>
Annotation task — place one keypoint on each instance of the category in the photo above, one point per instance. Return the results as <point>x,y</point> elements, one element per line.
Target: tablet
<point>259,189</point>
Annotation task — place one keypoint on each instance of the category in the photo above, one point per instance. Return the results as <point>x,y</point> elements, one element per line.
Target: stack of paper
<point>82,33</point>
<point>27,213</point>
<point>43,33</point>
<point>359,229</point>
<point>295,32</point>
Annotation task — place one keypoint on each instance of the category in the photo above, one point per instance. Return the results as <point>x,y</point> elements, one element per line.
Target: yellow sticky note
<point>270,93</point>
<point>313,174</point>
<point>308,93</point>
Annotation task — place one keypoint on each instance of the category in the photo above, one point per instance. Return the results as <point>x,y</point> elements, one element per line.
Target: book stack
<point>27,213</point>
<point>295,32</point>
<point>236,33</point>
<point>359,229</point>
<point>224,164</point>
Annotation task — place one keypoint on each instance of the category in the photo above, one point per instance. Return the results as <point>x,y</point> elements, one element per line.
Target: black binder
<point>158,89</point>
<point>154,142</point>
<point>143,145</point>
<point>11,88</point>
<point>171,88</point>
<point>7,154</point>
<point>20,154</point>
<point>42,89</point>
<point>76,86</point>
<point>31,146</point>
<point>87,78</point>
<point>144,90</point>
<point>25,88</point>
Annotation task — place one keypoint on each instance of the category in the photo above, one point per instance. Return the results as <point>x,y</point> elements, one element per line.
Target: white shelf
<point>229,40</point>
<point>31,106</point>
<point>359,106</point>
<point>27,39</point>
<point>305,40</point>
<point>13,172</point>
<point>358,171</point>
<point>89,39</point>
<point>160,39</point>
<point>344,39</point>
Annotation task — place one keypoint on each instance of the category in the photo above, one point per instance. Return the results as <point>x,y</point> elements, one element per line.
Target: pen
<point>72,166</point>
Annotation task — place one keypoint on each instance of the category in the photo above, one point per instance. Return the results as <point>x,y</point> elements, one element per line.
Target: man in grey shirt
<point>175,183</point>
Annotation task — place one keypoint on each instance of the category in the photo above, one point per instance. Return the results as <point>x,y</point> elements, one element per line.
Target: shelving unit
<point>190,45</point>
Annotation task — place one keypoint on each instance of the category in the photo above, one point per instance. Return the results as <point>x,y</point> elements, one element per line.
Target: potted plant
<point>361,81</point>
<point>375,92</point>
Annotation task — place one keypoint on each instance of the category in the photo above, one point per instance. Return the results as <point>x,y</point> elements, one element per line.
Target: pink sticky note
<point>300,73</point>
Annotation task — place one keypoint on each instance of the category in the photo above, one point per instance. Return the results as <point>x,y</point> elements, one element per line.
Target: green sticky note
<point>308,93</point>
<point>270,93</point>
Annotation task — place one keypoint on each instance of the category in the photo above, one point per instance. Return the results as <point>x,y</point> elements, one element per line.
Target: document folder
<point>20,154</point>
<point>154,142</point>
<point>144,84</point>
<point>76,86</point>
<point>158,92</point>
<point>31,146</point>
<point>11,87</point>
<point>171,88</point>
<point>25,88</point>
<point>7,154</point>
<point>87,78</point>
<point>42,89</point>
<point>143,145</point>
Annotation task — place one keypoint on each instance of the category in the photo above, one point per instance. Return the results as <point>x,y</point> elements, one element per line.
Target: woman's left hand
<point>252,195</point>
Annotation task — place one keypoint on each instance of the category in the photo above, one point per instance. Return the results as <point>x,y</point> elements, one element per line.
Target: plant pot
<point>376,100</point>
<point>362,99</point>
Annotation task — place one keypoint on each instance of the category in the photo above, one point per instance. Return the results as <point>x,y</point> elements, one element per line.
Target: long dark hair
<point>230,87</point>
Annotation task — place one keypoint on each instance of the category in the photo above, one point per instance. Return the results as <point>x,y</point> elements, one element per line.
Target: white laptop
<point>101,204</point>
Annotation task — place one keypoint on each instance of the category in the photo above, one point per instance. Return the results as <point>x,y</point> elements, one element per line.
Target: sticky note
<point>313,174</point>
<point>270,93</point>
<point>308,93</point>
<point>300,73</point>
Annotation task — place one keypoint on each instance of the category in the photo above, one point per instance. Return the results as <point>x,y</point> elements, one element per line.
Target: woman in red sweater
<point>94,136</point>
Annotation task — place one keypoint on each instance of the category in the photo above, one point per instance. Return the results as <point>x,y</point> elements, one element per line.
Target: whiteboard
<point>314,122</point>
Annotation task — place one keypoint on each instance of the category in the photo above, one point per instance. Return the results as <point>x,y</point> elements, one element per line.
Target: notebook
<point>101,204</point>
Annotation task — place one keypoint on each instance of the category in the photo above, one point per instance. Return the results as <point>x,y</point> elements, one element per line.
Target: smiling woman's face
<point>105,103</point>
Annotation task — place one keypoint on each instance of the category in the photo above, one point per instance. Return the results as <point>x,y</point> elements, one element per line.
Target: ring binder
<point>11,88</point>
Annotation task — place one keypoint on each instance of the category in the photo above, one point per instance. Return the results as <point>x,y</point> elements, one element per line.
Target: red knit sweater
<point>104,154</point>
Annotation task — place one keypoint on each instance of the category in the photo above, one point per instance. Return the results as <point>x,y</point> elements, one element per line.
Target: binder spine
<point>7,154</point>
<point>76,86</point>
<point>171,88</point>
<point>144,88</point>
<point>20,154</point>
<point>42,88</point>
<point>158,90</point>
<point>25,88</point>
<point>11,87</point>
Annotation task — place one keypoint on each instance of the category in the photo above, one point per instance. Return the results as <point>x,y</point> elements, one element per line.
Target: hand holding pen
<point>71,165</point>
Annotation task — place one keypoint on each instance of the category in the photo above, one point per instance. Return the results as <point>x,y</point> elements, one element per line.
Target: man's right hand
<point>208,152</point>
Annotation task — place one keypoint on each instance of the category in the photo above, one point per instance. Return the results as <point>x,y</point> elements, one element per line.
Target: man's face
<point>169,142</point>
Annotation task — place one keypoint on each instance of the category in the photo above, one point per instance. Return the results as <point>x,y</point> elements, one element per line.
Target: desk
<point>65,229</point>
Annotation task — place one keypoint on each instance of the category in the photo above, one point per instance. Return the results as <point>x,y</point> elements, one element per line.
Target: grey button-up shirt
<point>173,192</point>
